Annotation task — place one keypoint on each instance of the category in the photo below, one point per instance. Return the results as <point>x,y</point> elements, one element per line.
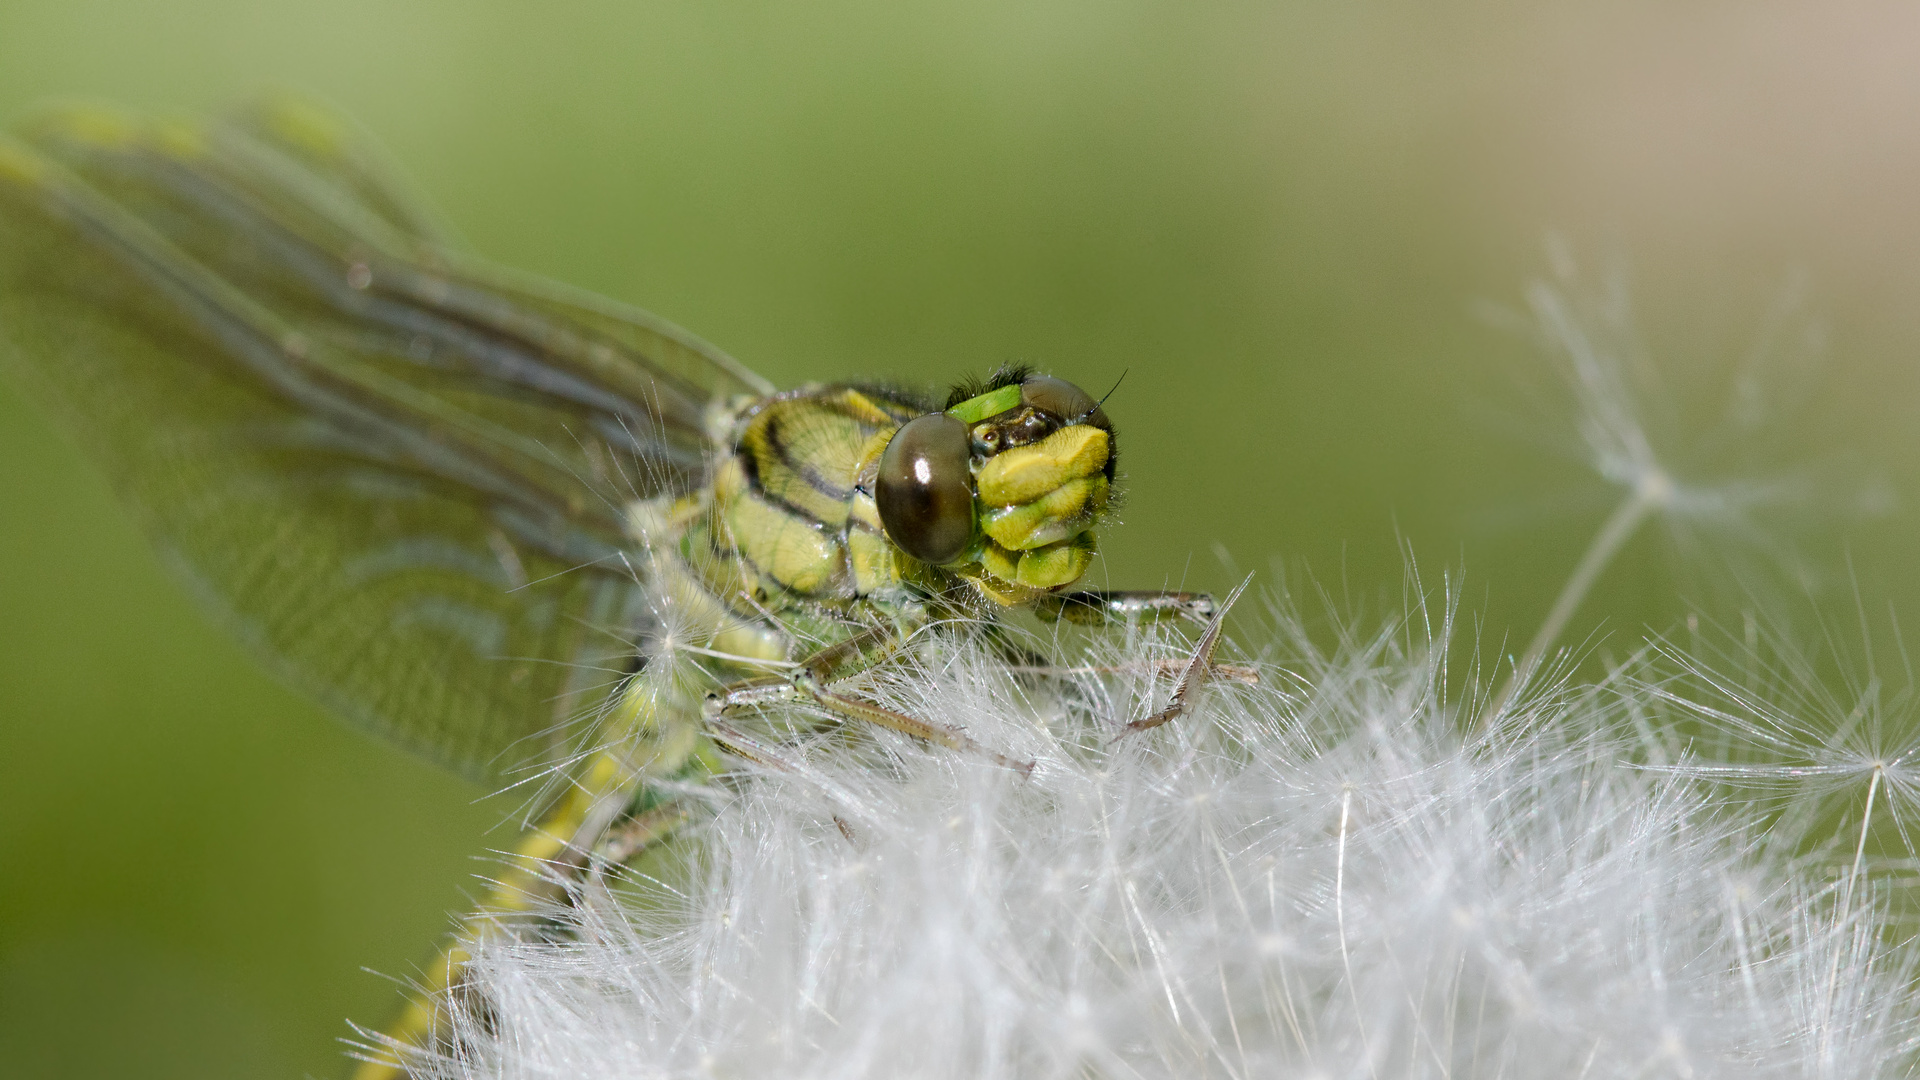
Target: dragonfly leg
<point>1107,608</point>
<point>1199,671</point>
<point>1099,607</point>
<point>591,896</point>
<point>639,833</point>
<point>812,681</point>
<point>1168,668</point>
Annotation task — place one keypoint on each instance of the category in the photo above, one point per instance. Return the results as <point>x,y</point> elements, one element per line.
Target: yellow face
<point>1004,487</point>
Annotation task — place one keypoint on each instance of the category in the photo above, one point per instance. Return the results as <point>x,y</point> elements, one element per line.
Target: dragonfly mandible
<point>461,506</point>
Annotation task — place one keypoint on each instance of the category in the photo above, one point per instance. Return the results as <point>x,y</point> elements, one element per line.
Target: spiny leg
<point>1101,607</point>
<point>1105,608</point>
<point>636,834</point>
<point>1172,667</point>
<point>588,895</point>
<point>1199,670</point>
<point>811,681</point>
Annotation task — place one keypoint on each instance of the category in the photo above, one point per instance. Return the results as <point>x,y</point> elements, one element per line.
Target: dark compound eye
<point>1064,400</point>
<point>924,494</point>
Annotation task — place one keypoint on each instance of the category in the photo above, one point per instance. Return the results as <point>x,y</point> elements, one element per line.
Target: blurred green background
<point>1288,223</point>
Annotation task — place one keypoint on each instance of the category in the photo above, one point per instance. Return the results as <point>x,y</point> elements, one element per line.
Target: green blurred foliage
<point>1280,220</point>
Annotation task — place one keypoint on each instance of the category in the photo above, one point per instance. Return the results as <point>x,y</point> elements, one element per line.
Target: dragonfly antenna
<point>1098,405</point>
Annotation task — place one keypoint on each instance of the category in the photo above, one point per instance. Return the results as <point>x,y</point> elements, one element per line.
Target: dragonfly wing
<point>399,475</point>
<point>315,167</point>
<point>317,159</point>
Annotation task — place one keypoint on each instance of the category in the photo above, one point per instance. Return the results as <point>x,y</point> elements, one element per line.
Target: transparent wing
<point>400,475</point>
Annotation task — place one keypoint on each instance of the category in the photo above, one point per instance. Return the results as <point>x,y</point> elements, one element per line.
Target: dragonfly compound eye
<point>1064,400</point>
<point>924,490</point>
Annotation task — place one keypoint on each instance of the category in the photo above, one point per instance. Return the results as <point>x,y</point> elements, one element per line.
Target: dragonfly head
<point>1005,486</point>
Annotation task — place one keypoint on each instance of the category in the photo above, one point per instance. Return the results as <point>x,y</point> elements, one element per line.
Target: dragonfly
<point>465,508</point>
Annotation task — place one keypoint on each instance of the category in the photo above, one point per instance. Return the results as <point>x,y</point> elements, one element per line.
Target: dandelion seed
<point>1590,337</point>
<point>1315,877</point>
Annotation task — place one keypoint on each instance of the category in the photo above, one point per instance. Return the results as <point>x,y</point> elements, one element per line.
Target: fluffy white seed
<point>1319,876</point>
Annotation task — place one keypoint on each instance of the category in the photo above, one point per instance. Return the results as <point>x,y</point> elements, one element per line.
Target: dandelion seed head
<point>1326,874</point>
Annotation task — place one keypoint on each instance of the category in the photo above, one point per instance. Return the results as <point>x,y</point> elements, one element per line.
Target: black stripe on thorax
<point>750,466</point>
<point>757,490</point>
<point>777,443</point>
